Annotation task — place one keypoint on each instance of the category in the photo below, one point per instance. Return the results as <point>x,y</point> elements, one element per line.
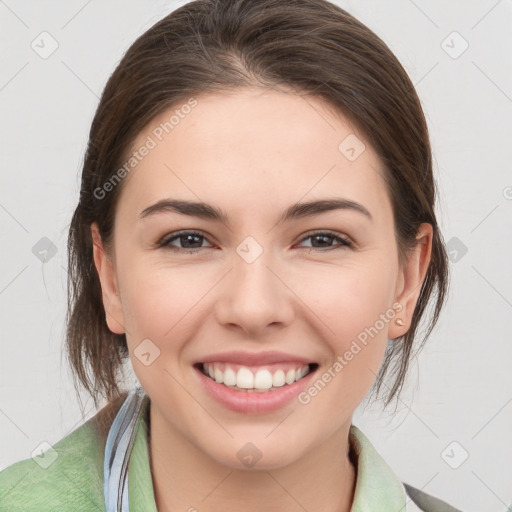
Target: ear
<point>410,280</point>
<point>109,290</point>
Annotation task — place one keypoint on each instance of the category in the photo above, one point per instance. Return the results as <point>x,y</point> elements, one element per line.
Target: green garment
<point>74,480</point>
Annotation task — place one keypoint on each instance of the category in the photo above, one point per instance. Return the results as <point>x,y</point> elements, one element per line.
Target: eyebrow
<point>295,211</point>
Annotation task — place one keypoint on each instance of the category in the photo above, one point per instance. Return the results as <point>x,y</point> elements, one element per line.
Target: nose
<point>255,297</point>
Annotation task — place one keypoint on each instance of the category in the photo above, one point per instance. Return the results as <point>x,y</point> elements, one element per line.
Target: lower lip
<point>257,403</point>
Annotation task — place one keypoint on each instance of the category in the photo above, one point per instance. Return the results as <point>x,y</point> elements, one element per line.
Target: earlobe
<point>109,290</point>
<point>411,279</point>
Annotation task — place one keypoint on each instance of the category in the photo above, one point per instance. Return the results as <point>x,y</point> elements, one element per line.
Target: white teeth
<point>261,381</point>
<point>219,377</point>
<point>229,377</point>
<point>278,379</point>
<point>245,378</point>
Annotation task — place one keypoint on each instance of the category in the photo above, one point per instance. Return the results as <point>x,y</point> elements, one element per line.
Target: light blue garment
<point>118,449</point>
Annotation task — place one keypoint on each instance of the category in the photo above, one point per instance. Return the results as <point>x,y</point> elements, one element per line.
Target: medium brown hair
<point>206,46</point>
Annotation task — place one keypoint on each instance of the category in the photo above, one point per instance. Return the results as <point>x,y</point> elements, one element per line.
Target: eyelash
<point>344,242</point>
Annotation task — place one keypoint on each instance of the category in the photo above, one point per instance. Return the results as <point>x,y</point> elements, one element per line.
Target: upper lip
<point>254,358</point>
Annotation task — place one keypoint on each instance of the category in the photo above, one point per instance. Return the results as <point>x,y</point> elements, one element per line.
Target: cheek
<point>357,310</point>
<point>351,299</point>
<point>158,300</point>
<point>158,305</point>
<point>354,302</point>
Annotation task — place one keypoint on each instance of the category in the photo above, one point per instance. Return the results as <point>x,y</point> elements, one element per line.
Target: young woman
<point>256,235</point>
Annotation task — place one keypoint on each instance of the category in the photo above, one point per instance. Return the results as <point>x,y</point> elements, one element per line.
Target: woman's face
<point>263,286</point>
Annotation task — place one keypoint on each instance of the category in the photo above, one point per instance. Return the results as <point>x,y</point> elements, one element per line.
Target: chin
<point>256,454</point>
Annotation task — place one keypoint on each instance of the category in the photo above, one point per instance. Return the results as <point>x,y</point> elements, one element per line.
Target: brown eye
<point>190,241</point>
<point>323,240</point>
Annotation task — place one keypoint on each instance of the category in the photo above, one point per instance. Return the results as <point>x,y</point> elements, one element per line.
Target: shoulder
<point>68,476</point>
<point>423,502</point>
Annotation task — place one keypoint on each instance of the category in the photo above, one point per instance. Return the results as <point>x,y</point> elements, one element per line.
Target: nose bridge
<point>254,296</point>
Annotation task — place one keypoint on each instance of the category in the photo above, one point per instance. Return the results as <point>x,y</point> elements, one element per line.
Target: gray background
<point>458,398</point>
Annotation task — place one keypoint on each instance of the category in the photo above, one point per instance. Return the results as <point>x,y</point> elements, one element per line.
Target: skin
<point>253,153</point>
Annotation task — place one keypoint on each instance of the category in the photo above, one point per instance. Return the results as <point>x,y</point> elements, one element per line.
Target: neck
<point>185,478</point>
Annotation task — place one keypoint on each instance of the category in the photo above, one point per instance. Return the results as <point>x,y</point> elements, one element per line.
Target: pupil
<point>188,237</point>
<point>323,237</point>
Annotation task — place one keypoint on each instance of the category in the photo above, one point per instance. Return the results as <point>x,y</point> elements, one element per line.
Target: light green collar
<point>377,487</point>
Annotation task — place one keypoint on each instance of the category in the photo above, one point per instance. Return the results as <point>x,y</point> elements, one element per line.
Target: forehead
<point>253,145</point>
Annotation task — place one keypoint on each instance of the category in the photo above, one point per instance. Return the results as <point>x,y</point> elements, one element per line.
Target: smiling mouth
<point>256,379</point>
